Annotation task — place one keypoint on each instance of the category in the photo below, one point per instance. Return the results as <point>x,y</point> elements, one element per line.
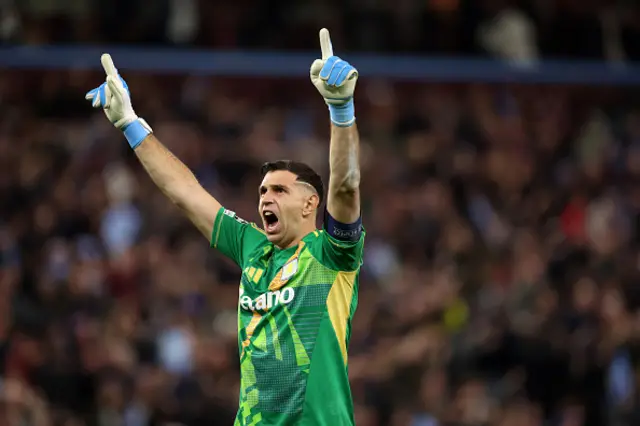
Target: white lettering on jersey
<point>267,300</point>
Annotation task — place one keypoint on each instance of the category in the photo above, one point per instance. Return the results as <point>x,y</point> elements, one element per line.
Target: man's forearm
<point>344,181</point>
<point>169,173</point>
<point>178,183</point>
<point>344,158</point>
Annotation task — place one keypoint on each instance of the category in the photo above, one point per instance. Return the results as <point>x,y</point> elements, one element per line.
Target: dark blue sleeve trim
<point>342,231</point>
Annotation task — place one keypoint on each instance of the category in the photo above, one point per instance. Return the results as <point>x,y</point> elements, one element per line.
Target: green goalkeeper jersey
<point>294,322</point>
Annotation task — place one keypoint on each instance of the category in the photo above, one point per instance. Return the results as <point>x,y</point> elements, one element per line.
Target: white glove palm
<point>334,78</point>
<point>113,96</point>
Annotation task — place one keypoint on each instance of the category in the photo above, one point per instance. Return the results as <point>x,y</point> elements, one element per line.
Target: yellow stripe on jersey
<point>339,305</point>
<point>250,329</point>
<point>302,357</point>
<point>256,419</point>
<point>254,226</point>
<point>257,275</point>
<point>217,231</point>
<point>275,338</point>
<point>260,341</point>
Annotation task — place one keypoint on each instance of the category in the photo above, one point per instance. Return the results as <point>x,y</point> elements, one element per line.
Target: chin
<point>274,238</point>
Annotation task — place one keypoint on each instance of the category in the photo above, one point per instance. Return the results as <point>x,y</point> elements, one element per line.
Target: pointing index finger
<point>325,44</point>
<point>107,64</point>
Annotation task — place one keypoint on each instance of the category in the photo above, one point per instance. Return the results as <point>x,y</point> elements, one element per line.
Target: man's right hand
<point>114,99</point>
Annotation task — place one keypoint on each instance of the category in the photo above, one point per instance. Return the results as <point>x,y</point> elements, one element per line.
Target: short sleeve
<point>342,245</point>
<point>235,237</point>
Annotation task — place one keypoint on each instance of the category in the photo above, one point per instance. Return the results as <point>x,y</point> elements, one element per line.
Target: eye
<point>280,190</point>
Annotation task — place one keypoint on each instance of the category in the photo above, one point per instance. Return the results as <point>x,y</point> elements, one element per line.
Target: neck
<point>306,229</point>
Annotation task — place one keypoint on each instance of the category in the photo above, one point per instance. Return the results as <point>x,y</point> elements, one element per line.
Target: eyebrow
<point>263,188</point>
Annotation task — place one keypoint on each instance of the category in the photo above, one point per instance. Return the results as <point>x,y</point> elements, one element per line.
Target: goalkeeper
<point>299,285</point>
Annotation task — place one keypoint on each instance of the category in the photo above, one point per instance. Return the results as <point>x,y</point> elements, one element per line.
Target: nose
<point>266,200</point>
<point>268,195</point>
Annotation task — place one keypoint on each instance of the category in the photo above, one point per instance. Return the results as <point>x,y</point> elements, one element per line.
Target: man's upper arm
<point>342,244</point>
<point>235,237</point>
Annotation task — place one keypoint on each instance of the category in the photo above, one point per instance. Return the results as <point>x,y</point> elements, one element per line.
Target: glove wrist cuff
<point>342,115</point>
<point>136,132</point>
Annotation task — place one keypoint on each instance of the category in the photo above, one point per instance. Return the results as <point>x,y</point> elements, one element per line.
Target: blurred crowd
<point>524,29</point>
<point>501,262</point>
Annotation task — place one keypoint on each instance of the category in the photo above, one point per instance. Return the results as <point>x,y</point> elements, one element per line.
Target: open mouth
<point>271,221</point>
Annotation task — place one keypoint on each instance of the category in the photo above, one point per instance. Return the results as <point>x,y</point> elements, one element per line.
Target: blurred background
<point>500,284</point>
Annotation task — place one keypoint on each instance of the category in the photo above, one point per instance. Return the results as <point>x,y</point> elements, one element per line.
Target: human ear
<point>310,204</point>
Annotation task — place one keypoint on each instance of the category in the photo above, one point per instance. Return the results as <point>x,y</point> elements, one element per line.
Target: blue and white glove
<point>336,80</point>
<point>114,99</point>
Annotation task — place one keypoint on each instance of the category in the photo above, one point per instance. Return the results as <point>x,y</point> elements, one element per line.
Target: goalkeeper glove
<point>336,80</point>
<point>114,99</point>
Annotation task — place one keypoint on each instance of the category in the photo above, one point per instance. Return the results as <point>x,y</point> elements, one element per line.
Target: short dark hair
<point>303,172</point>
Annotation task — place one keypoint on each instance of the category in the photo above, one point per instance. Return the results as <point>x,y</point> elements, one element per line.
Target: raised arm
<point>173,178</point>
<point>336,79</point>
<point>343,199</point>
<point>178,183</point>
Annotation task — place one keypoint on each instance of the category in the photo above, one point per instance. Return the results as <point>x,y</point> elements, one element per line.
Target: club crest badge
<point>289,269</point>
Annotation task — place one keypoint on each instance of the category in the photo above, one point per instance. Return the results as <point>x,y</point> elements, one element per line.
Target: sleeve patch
<point>235,217</point>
